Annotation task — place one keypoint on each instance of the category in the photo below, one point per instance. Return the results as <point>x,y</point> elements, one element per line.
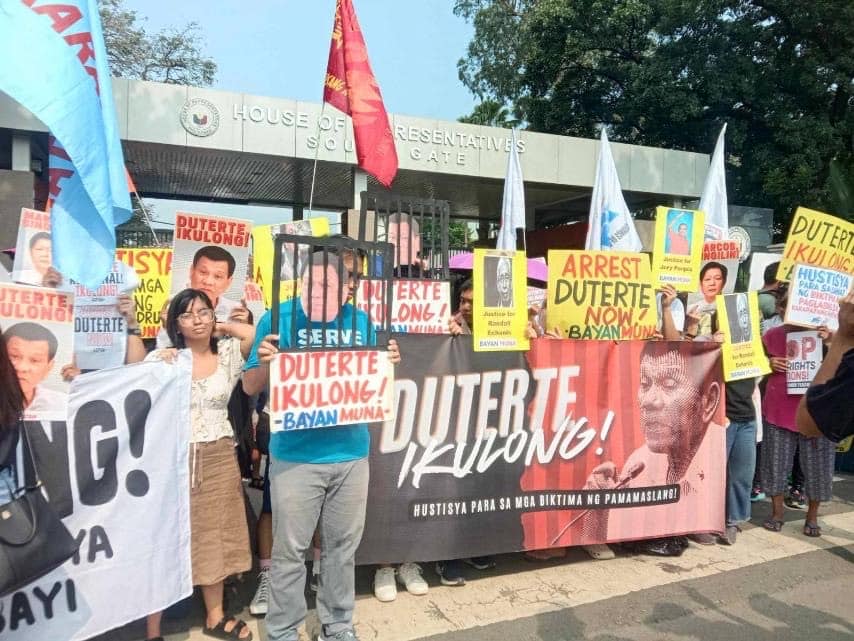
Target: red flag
<point>351,87</point>
<point>131,185</point>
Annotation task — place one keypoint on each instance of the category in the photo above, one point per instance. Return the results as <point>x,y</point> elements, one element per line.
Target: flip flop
<point>811,529</point>
<point>772,525</point>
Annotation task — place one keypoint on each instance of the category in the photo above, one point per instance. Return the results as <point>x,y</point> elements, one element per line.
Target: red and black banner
<point>574,442</point>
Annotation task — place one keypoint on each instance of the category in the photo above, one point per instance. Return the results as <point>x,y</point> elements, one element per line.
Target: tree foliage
<point>671,72</point>
<point>490,113</point>
<point>172,55</point>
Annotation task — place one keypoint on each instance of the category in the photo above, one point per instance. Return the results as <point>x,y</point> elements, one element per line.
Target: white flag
<point>611,225</point>
<point>513,202</point>
<point>713,201</point>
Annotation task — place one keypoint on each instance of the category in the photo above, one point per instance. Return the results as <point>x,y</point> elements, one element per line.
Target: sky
<point>279,48</point>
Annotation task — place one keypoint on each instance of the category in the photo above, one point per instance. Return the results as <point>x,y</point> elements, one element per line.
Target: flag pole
<point>146,217</point>
<point>316,153</point>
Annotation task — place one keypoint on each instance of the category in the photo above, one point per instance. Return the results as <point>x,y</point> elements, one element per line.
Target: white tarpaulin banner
<point>118,474</point>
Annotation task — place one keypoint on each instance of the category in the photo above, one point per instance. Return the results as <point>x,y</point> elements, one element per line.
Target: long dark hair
<point>181,303</point>
<point>11,398</point>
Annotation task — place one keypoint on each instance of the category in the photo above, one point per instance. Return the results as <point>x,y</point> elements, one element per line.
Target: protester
<point>781,442</point>
<point>741,455</point>
<point>219,536</point>
<point>741,414</point>
<point>671,307</point>
<point>319,475</point>
<point>713,277</point>
<point>11,408</point>
<point>794,497</point>
<point>463,317</point>
<point>826,407</point>
<point>770,291</point>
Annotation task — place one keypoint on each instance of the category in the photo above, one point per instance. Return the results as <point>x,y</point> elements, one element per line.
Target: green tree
<point>490,113</point>
<point>458,233</point>
<point>671,72</point>
<point>172,55</point>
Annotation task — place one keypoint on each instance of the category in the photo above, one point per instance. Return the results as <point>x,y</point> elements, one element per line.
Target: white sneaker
<point>385,588</point>
<point>258,604</point>
<point>409,574</point>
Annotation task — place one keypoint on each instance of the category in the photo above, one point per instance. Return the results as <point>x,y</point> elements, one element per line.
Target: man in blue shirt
<point>318,476</point>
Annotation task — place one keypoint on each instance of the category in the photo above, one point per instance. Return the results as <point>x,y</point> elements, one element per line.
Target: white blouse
<point>209,396</point>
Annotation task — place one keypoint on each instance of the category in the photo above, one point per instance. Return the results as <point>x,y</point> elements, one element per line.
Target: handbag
<point>33,539</point>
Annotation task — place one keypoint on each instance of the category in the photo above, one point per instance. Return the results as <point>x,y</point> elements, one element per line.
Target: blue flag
<point>60,74</point>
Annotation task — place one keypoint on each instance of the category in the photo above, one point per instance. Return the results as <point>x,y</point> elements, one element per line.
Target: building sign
<point>436,147</point>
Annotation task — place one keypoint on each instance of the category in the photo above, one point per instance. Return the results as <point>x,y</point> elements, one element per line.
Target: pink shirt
<point>778,406</point>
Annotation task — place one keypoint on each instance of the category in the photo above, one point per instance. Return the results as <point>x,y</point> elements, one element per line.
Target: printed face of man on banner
<point>679,232</point>
<point>498,292</point>
<point>677,406</point>
<point>212,272</point>
<point>41,251</point>
<point>671,398</point>
<point>738,314</point>
<point>32,349</point>
<point>405,234</point>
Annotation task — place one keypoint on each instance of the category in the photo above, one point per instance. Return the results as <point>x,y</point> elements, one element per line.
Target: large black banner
<point>574,442</point>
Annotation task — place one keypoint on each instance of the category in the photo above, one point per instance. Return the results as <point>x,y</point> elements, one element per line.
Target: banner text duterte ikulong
<point>437,438</point>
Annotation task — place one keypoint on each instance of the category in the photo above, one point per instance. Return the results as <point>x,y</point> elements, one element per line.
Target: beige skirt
<point>219,534</point>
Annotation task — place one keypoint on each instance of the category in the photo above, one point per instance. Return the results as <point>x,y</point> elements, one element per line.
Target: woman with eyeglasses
<point>219,534</point>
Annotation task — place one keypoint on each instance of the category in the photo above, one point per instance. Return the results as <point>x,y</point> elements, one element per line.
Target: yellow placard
<point>818,239</point>
<point>153,267</point>
<point>601,295</point>
<point>845,444</point>
<point>742,352</point>
<point>678,248</point>
<point>500,311</point>
<point>262,253</point>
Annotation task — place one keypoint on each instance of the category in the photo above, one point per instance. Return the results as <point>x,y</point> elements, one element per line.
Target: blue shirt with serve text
<point>318,444</point>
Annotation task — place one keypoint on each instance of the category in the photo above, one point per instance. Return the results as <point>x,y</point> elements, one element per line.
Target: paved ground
<point>774,586</point>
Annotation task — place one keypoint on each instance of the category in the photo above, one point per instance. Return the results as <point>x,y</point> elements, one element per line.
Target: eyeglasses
<point>205,315</point>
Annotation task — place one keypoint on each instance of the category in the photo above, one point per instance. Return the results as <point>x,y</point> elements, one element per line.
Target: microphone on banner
<point>625,478</point>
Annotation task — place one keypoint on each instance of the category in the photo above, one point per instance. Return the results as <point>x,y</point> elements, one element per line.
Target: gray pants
<point>304,495</point>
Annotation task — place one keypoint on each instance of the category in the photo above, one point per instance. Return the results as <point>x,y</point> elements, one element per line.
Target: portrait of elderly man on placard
<point>498,281</point>
<point>679,395</point>
<point>738,315</point>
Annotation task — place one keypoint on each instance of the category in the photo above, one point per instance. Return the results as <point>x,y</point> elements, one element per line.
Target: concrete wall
<point>16,191</point>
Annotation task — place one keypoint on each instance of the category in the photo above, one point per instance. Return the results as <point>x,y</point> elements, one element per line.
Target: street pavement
<point>775,586</point>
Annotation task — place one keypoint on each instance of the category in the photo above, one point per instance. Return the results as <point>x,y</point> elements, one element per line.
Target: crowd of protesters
<point>315,482</point>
